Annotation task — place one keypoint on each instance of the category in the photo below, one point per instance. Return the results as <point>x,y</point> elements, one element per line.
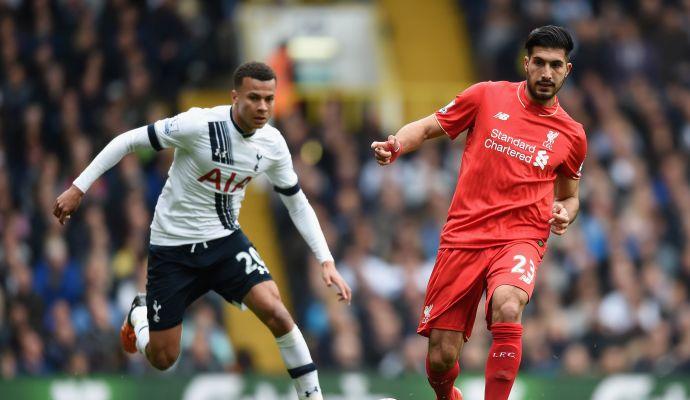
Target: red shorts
<point>461,276</point>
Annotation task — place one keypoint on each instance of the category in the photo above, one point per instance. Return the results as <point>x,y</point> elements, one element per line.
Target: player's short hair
<point>253,69</point>
<point>550,36</point>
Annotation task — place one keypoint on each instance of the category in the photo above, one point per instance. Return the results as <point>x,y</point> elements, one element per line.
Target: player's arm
<point>303,216</point>
<point>566,204</point>
<point>408,139</point>
<point>120,146</point>
<point>178,131</point>
<point>284,180</point>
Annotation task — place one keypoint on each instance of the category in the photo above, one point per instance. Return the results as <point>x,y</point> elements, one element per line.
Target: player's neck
<point>239,125</point>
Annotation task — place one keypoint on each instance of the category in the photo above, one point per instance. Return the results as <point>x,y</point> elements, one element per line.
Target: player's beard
<point>541,96</point>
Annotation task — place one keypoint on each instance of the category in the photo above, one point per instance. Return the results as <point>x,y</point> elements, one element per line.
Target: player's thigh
<point>171,285</point>
<point>240,270</point>
<point>514,270</point>
<point>454,291</point>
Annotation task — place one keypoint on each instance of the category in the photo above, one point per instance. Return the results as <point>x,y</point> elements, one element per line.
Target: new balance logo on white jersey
<point>502,116</point>
<point>541,159</point>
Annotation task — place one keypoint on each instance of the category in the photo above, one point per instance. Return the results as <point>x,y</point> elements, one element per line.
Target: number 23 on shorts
<point>526,275</point>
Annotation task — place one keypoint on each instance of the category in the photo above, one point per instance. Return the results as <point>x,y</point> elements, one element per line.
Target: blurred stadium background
<point>611,316</point>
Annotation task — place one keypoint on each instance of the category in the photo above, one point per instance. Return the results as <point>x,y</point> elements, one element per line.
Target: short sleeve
<point>281,174</point>
<point>461,112</point>
<point>178,131</point>
<point>572,165</point>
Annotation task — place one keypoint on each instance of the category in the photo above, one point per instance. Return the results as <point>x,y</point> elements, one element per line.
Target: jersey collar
<point>237,127</point>
<point>539,109</point>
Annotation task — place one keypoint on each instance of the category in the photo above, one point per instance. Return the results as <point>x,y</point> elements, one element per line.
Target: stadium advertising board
<point>349,386</point>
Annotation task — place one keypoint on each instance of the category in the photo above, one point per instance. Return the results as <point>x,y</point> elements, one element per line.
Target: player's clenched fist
<point>386,152</point>
<point>560,219</point>
<point>67,203</point>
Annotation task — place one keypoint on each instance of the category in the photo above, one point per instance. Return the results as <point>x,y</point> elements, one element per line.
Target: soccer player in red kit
<point>518,180</point>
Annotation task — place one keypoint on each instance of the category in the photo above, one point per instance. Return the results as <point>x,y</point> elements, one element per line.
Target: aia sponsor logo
<point>215,178</point>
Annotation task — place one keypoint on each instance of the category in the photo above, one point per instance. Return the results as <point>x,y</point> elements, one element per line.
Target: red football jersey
<point>515,150</point>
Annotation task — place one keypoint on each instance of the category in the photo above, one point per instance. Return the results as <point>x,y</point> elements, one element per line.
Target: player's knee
<point>163,360</point>
<point>442,358</point>
<point>508,311</point>
<point>279,320</point>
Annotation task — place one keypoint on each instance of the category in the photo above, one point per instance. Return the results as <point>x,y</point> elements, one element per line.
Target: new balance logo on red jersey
<point>541,159</point>
<point>502,116</point>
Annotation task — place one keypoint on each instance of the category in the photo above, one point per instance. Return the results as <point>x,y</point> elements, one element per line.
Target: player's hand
<point>560,219</point>
<point>386,152</point>
<point>67,203</point>
<point>331,277</point>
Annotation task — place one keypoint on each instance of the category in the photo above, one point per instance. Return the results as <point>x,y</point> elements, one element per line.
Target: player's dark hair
<point>550,36</point>
<point>253,69</point>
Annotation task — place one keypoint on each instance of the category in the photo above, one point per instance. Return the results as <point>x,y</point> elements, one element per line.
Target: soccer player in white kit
<point>196,242</point>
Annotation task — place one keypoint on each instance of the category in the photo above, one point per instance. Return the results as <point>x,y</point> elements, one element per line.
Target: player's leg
<point>510,285</point>
<point>455,288</point>
<point>264,300</point>
<point>243,277</point>
<point>161,347</point>
<point>175,278</point>
<point>442,367</point>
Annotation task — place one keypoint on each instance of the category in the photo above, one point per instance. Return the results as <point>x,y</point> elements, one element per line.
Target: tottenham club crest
<point>156,308</point>
<point>550,137</point>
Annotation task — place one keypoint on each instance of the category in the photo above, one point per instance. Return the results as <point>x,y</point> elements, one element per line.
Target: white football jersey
<point>213,163</point>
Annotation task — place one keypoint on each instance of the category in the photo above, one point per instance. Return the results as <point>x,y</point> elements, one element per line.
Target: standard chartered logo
<point>542,159</point>
<point>517,148</point>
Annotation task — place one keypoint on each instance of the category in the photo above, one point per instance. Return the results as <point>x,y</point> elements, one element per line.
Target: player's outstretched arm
<point>408,139</point>
<point>566,204</point>
<point>68,202</point>
<point>304,218</point>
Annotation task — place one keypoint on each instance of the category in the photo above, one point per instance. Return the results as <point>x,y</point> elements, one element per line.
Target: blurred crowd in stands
<point>74,75</point>
<point>612,294</point>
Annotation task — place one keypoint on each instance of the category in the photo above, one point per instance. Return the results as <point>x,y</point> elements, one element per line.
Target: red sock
<point>442,382</point>
<point>504,360</point>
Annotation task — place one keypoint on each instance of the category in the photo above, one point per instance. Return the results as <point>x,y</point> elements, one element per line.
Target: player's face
<point>546,71</point>
<point>254,102</point>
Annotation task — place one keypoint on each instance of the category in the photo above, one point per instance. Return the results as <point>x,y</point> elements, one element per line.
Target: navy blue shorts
<point>178,275</point>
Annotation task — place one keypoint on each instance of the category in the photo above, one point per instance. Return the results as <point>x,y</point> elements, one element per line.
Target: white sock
<point>141,328</point>
<point>300,366</point>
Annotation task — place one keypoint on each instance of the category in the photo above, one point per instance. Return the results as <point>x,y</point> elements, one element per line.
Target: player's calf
<point>503,361</point>
<point>442,366</point>
<point>264,300</point>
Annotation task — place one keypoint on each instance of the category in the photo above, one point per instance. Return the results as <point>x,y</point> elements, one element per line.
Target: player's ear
<point>568,67</point>
<point>234,95</point>
<point>526,62</point>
